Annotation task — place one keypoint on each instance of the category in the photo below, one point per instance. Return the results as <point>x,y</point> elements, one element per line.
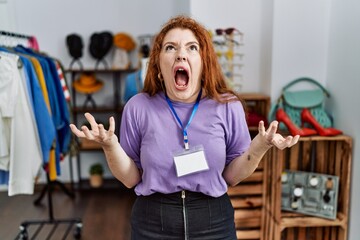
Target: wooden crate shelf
<point>248,197</point>
<point>257,103</point>
<point>333,156</point>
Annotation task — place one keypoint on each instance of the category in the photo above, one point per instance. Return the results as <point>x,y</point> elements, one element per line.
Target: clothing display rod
<point>50,184</point>
<point>16,35</point>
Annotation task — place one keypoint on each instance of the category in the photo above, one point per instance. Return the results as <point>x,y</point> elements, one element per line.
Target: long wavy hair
<point>213,79</point>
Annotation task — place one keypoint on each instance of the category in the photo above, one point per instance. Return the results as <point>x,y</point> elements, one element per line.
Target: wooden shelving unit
<point>256,103</point>
<point>109,76</point>
<point>248,197</point>
<point>257,200</point>
<point>333,157</point>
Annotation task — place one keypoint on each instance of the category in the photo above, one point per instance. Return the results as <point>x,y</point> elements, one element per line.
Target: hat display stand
<point>100,45</point>
<point>120,59</point>
<point>75,46</point>
<point>88,84</point>
<point>89,100</point>
<point>103,61</point>
<point>73,61</point>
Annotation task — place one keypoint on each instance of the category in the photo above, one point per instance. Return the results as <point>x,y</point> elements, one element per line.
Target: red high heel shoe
<point>281,116</point>
<point>306,116</point>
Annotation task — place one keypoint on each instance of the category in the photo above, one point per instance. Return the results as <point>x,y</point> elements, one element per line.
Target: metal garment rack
<point>49,187</point>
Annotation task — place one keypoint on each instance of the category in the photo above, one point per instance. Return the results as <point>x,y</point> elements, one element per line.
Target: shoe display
<point>281,116</point>
<point>307,117</point>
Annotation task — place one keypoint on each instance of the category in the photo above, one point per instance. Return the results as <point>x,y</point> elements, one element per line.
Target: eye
<point>169,48</point>
<point>194,47</point>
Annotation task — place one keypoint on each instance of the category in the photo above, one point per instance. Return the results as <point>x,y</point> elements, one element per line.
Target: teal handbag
<point>293,102</point>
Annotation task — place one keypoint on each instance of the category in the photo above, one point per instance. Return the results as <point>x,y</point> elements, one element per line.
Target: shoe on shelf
<point>306,116</point>
<point>294,130</point>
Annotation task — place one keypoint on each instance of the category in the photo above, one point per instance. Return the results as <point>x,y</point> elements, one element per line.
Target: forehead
<point>180,35</point>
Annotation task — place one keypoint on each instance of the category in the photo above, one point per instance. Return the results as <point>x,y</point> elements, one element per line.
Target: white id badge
<point>190,161</point>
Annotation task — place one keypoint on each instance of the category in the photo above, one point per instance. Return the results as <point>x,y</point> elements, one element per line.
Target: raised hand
<point>275,139</point>
<point>97,132</point>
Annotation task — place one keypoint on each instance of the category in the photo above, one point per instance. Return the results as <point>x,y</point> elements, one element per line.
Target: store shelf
<point>333,156</point>
<point>109,76</point>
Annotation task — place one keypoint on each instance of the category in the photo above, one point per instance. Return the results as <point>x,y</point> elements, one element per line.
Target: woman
<point>183,140</point>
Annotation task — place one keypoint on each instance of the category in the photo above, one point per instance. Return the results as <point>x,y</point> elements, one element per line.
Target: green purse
<point>293,102</point>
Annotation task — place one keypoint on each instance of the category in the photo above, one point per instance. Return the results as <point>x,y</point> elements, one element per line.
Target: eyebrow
<point>187,44</point>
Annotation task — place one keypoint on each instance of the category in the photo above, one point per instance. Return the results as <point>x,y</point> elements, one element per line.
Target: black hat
<point>145,50</point>
<point>100,44</point>
<point>75,45</point>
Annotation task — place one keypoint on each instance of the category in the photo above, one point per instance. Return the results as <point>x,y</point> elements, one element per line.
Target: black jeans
<point>169,216</point>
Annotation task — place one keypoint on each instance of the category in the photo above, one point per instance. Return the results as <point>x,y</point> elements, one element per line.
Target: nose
<point>181,55</point>
<point>180,58</point>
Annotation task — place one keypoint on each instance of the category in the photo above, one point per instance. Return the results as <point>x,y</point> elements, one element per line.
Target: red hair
<point>213,79</point>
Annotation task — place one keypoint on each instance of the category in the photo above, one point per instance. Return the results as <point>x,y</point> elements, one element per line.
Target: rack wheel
<point>23,233</point>
<point>77,232</point>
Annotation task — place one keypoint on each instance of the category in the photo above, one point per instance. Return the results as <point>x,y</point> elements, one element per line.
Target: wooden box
<point>333,156</point>
<point>247,199</point>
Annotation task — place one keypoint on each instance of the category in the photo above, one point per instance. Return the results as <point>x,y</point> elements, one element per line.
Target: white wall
<point>300,41</point>
<point>52,21</point>
<point>244,15</point>
<point>343,71</point>
<point>7,15</point>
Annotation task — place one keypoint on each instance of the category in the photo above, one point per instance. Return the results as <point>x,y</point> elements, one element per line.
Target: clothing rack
<point>13,35</point>
<point>49,187</point>
<point>23,234</point>
<point>16,35</point>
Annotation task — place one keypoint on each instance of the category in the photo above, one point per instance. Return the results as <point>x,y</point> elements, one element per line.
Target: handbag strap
<point>306,80</point>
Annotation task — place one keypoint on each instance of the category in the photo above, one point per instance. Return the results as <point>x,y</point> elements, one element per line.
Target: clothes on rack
<point>46,96</point>
<point>11,39</point>
<point>22,156</point>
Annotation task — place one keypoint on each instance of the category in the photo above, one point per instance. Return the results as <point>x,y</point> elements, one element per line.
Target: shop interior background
<point>284,40</point>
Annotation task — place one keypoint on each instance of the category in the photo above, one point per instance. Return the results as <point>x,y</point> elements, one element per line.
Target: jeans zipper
<point>184,214</point>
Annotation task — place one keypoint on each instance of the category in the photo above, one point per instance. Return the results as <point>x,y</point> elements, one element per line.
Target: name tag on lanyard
<point>193,159</point>
<point>190,161</point>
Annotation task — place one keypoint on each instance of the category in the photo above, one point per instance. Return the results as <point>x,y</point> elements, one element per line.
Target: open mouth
<point>181,78</point>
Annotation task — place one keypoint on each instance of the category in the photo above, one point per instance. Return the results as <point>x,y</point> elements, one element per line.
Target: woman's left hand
<point>273,138</point>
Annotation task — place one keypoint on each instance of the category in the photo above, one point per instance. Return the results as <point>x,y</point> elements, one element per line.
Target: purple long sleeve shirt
<point>150,135</point>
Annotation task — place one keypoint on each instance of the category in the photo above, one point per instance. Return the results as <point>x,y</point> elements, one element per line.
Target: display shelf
<point>256,103</point>
<point>93,70</point>
<point>109,76</point>
<point>99,109</point>
<point>333,156</point>
<point>247,199</point>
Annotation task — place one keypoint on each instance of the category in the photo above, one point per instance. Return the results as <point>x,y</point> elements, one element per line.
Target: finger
<point>294,140</point>
<point>282,143</point>
<point>111,125</point>
<point>287,141</point>
<point>92,121</point>
<point>102,131</point>
<point>261,128</point>
<point>87,133</point>
<point>272,128</point>
<point>76,131</point>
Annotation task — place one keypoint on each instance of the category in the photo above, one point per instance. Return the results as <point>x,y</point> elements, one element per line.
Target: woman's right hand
<point>97,132</point>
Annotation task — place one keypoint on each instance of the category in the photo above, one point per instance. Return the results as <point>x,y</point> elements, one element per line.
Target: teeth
<point>181,69</point>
